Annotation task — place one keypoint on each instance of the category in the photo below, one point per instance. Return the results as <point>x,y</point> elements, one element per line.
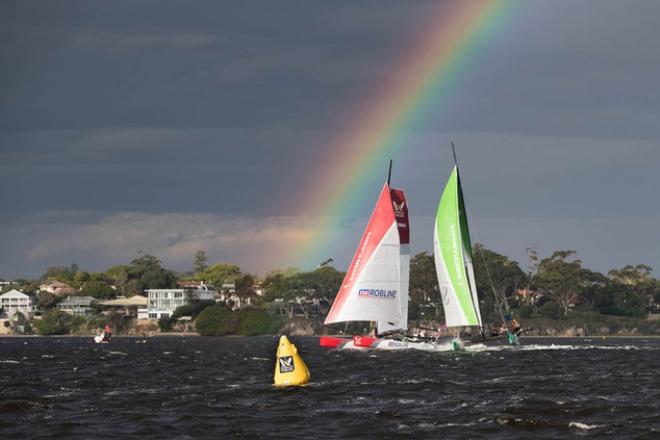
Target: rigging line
<point>483,259</point>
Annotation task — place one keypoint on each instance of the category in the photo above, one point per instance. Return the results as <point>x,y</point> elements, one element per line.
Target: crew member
<point>515,325</point>
<point>107,333</point>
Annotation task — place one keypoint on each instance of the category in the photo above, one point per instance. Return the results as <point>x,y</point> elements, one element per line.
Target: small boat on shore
<point>105,336</point>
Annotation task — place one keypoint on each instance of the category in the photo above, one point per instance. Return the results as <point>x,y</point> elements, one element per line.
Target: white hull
<point>443,344</point>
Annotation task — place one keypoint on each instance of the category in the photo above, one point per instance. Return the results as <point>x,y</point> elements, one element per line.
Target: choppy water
<point>221,388</point>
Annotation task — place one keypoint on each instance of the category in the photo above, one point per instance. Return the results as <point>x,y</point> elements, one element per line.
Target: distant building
<point>57,288</point>
<point>4,283</point>
<point>233,300</point>
<point>15,301</point>
<point>195,285</point>
<point>229,287</point>
<point>163,302</point>
<point>127,306</point>
<point>77,305</point>
<point>528,297</point>
<point>576,301</point>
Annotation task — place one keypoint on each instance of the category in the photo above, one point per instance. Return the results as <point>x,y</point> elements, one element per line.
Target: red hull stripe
<point>364,341</point>
<point>332,341</point>
<point>380,222</point>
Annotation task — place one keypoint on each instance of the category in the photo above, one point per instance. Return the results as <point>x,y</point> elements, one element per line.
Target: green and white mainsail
<point>453,258</point>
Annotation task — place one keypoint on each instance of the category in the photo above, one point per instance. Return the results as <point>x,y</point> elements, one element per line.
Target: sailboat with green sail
<point>452,251</point>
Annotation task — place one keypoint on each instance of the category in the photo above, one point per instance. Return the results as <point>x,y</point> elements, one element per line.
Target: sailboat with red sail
<point>375,287</point>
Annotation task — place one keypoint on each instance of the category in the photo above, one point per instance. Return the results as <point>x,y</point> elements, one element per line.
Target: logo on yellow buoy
<point>290,369</point>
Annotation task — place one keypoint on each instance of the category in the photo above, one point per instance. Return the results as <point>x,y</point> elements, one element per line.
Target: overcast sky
<point>169,126</point>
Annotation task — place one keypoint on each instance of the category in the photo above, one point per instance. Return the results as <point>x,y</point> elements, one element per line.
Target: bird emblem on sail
<point>398,207</point>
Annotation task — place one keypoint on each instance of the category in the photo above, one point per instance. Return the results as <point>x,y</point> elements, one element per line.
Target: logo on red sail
<point>377,293</point>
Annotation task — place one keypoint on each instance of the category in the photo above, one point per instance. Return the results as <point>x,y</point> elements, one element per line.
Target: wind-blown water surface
<point>216,388</point>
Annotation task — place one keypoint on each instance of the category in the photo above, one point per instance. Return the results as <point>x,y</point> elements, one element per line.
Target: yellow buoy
<point>290,369</point>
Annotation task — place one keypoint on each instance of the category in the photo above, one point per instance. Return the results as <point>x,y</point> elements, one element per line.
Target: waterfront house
<point>57,288</point>
<point>232,299</point>
<point>16,301</point>
<point>127,306</point>
<point>77,305</point>
<point>163,302</point>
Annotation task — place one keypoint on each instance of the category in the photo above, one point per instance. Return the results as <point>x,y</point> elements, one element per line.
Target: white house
<point>77,305</point>
<point>126,306</point>
<point>163,302</point>
<point>15,301</point>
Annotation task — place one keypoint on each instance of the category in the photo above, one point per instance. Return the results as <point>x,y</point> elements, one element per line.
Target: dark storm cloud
<point>150,120</point>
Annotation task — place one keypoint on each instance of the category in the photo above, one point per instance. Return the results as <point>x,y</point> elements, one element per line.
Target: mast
<point>389,173</point>
<point>373,325</point>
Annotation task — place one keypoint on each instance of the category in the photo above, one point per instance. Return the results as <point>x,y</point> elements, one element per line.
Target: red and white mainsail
<point>373,289</point>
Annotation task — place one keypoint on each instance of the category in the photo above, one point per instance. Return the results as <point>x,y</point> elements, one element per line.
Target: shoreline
<point>196,335</point>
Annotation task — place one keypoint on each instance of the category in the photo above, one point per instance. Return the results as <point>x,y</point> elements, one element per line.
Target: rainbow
<point>430,68</point>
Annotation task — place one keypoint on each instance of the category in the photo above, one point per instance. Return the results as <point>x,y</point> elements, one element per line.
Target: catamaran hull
<point>441,344</point>
<point>369,343</point>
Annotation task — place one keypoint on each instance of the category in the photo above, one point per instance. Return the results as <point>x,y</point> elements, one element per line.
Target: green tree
<point>245,287</point>
<point>497,281</point>
<point>639,280</point>
<point>255,322</point>
<point>327,281</point>
<point>192,309</point>
<point>506,275</point>
<point>637,276</point>
<point>63,274</point>
<point>119,276</point>
<point>221,273</point>
<point>47,300</point>
<point>550,310</point>
<point>80,278</point>
<point>627,292</point>
<point>165,324</point>
<point>561,278</point>
<point>301,290</point>
<point>53,322</point>
<point>199,265</point>
<point>98,290</point>
<point>146,272</point>
<point>424,291</point>
<point>216,320</point>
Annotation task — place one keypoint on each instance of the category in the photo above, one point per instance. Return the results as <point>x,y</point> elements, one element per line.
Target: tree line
<point>551,286</point>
